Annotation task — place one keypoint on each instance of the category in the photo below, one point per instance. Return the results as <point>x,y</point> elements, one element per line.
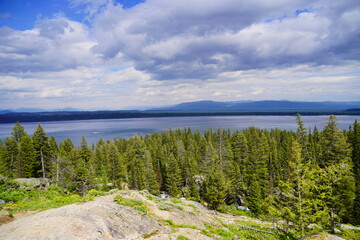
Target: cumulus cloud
<point>165,52</point>
<point>53,44</point>
<point>199,39</point>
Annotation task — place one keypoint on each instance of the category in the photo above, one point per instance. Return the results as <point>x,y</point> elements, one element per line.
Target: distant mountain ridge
<point>265,105</point>
<point>35,110</point>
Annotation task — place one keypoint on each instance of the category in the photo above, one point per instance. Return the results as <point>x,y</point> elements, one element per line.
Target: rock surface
<point>35,182</point>
<point>165,219</point>
<point>93,220</point>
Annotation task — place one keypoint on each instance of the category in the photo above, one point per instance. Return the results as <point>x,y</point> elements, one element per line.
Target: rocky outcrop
<point>92,220</point>
<point>34,182</point>
<point>158,219</point>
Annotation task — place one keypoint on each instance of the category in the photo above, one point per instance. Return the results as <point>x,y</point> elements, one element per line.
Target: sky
<point>123,54</point>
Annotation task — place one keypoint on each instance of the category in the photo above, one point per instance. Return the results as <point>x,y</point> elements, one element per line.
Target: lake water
<point>92,130</point>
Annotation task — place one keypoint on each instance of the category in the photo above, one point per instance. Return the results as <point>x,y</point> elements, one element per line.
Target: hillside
<point>139,215</point>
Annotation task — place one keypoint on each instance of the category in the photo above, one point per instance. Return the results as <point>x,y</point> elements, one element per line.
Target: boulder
<point>34,182</point>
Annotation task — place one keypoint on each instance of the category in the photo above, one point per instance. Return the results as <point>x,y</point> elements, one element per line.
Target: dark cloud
<point>200,39</point>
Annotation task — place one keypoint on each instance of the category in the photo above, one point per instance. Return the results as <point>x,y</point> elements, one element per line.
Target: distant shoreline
<point>92,115</point>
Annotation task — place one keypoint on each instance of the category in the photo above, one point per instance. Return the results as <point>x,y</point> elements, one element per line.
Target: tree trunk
<point>42,163</point>
<point>332,229</point>
<point>57,171</point>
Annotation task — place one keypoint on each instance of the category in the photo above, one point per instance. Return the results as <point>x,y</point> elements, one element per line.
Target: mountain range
<point>266,105</point>
<point>208,105</point>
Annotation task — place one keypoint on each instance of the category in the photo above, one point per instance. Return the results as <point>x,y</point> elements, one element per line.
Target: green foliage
<point>18,132</point>
<point>18,199</point>
<point>215,189</point>
<point>133,203</point>
<point>181,237</point>
<point>354,138</point>
<point>95,193</point>
<point>166,205</point>
<point>173,225</point>
<point>352,234</point>
<point>304,177</point>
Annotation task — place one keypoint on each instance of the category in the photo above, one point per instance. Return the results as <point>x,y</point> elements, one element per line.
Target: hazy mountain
<point>34,110</point>
<point>260,105</point>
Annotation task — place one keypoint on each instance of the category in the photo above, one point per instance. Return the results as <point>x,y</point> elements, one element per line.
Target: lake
<point>92,130</point>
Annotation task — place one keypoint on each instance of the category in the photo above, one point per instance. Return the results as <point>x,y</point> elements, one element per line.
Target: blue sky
<point>102,54</point>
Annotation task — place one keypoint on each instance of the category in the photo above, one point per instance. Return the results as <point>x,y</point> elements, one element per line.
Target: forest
<point>12,117</point>
<point>307,178</point>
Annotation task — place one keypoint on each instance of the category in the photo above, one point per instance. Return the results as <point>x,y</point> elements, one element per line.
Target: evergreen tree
<point>9,157</point>
<point>297,197</point>
<point>140,167</point>
<point>173,176</point>
<point>42,152</point>
<point>116,169</point>
<point>66,176</point>
<point>18,132</point>
<point>257,178</point>
<point>302,137</point>
<point>215,188</point>
<point>151,183</point>
<point>354,137</point>
<point>54,159</point>
<point>26,162</point>
<point>83,167</point>
<point>336,174</point>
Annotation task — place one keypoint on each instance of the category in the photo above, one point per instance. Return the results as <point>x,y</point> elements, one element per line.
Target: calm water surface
<point>92,130</point>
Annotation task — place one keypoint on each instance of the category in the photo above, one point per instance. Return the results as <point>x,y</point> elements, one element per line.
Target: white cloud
<point>164,52</point>
<point>179,39</point>
<point>54,44</point>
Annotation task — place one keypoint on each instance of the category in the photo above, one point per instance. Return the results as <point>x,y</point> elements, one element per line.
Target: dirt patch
<point>6,219</point>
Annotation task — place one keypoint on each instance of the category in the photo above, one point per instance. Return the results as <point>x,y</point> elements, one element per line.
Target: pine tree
<point>296,198</point>
<point>215,188</point>
<point>83,167</point>
<point>116,169</point>
<point>67,164</point>
<point>26,162</point>
<point>302,137</point>
<point>53,159</point>
<point>140,168</point>
<point>151,183</point>
<point>42,152</point>
<point>18,132</point>
<point>173,176</point>
<point>9,157</point>
<point>257,178</point>
<point>354,137</point>
<point>336,175</point>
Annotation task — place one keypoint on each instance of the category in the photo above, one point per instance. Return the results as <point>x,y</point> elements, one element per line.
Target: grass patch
<point>192,206</point>
<point>133,203</point>
<point>175,200</point>
<point>219,232</point>
<point>265,227</point>
<point>181,237</point>
<point>18,199</point>
<point>352,234</point>
<point>166,205</point>
<point>231,230</point>
<point>150,197</point>
<point>173,225</point>
<point>150,234</point>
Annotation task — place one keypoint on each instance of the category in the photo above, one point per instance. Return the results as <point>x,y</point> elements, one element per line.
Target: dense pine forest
<point>306,178</point>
